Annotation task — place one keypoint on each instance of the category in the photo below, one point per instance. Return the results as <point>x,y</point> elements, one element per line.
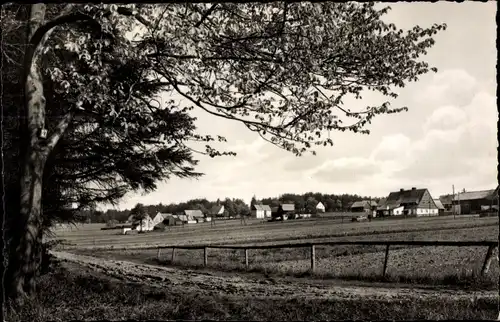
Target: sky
<point>448,136</point>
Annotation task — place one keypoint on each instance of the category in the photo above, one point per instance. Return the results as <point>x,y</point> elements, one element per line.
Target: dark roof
<point>446,199</point>
<point>412,196</point>
<point>382,204</point>
<point>274,209</point>
<point>288,207</point>
<point>217,209</point>
<point>473,195</point>
<point>363,204</point>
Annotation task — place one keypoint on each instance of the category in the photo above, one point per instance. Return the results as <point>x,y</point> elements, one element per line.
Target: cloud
<point>345,170</point>
<point>452,87</point>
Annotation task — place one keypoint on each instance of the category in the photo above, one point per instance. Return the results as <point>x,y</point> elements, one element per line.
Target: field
<point>233,232</point>
<point>130,282</point>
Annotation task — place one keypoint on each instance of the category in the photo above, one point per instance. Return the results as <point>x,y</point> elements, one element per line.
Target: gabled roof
<point>364,204</point>
<point>382,204</point>
<point>473,195</point>
<point>161,216</point>
<point>412,196</point>
<point>446,199</point>
<point>320,205</point>
<point>217,210</point>
<point>438,203</point>
<point>288,207</point>
<point>194,213</point>
<point>261,207</point>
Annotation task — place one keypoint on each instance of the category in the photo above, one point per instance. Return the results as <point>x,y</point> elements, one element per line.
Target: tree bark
<point>27,250</point>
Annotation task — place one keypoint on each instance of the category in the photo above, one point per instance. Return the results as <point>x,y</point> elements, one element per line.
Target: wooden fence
<point>312,246</point>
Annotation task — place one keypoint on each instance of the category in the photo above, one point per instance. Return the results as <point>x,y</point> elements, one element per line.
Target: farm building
<point>146,224</point>
<point>185,219</point>
<point>446,201</point>
<point>197,215</point>
<point>320,207</point>
<point>160,217</point>
<point>440,206</point>
<point>363,206</point>
<point>415,201</point>
<point>474,202</point>
<point>284,210</point>
<point>261,211</point>
<point>217,211</point>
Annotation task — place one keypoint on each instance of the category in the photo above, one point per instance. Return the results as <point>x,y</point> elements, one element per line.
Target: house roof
<point>364,203</point>
<point>381,204</point>
<point>438,203</point>
<point>288,207</point>
<point>473,195</point>
<point>217,210</point>
<point>194,213</point>
<point>162,215</point>
<point>262,207</point>
<point>398,198</point>
<point>446,199</point>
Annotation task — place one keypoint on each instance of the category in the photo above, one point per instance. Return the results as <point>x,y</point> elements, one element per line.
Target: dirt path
<point>242,285</point>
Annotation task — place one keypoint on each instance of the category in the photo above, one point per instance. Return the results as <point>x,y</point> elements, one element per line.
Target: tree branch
<point>60,129</point>
<point>205,16</point>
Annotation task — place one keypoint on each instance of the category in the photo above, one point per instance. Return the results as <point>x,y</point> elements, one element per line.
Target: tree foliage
<point>81,74</point>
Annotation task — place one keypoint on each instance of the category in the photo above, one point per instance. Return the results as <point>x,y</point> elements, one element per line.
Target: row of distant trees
<point>232,207</point>
<point>308,201</point>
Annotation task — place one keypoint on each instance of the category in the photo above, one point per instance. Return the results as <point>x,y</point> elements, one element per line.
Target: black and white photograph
<point>249,161</point>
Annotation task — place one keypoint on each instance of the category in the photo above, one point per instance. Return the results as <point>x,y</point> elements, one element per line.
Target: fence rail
<point>312,246</point>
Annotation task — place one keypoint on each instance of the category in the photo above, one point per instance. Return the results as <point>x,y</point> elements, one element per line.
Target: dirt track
<point>249,285</point>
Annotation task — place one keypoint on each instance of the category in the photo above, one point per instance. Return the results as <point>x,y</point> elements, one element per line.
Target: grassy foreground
<point>72,292</point>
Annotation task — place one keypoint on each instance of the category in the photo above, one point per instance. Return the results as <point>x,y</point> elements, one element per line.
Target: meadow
<point>458,266</point>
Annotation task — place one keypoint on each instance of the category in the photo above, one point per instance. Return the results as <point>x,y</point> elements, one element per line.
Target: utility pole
<point>453,208</point>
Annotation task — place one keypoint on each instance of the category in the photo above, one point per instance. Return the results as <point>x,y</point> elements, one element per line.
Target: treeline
<point>232,208</point>
<point>308,201</point>
<point>235,207</point>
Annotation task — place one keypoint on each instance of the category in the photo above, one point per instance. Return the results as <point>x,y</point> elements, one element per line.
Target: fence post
<point>313,258</point>
<point>246,258</point>
<point>158,253</point>
<point>487,260</point>
<point>385,260</point>
<point>205,256</point>
<point>173,255</point>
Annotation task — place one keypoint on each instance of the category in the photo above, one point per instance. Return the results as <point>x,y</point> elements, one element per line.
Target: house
<point>160,217</point>
<point>194,216</point>
<point>261,211</point>
<point>446,201</point>
<point>417,202</point>
<point>320,207</point>
<point>440,206</point>
<point>284,210</point>
<point>474,202</point>
<point>146,224</point>
<point>366,206</point>
<point>217,211</point>
<point>184,219</point>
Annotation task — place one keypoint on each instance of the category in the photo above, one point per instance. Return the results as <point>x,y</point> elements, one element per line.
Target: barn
<point>440,206</point>
<point>261,211</point>
<point>475,202</point>
<point>284,211</point>
<point>194,215</point>
<point>217,211</point>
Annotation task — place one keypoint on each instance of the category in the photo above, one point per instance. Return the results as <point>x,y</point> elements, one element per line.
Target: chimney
<point>413,188</point>
<point>401,190</point>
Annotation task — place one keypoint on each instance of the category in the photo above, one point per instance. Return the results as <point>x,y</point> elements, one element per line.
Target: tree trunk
<point>27,252</point>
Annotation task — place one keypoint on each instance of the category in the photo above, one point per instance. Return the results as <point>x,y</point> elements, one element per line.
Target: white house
<point>320,207</point>
<point>146,224</point>
<point>261,211</point>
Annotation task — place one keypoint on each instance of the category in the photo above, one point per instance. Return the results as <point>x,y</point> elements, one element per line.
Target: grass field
<point>233,232</point>
<point>457,266</point>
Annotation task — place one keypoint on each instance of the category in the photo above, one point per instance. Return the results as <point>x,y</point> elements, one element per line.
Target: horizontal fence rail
<point>312,246</point>
<point>338,243</point>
